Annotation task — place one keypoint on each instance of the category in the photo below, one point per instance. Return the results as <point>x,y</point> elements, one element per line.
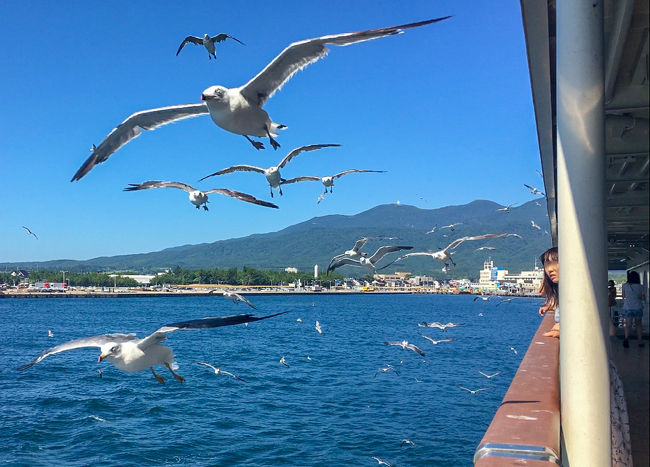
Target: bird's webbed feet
<point>256,144</point>
<point>280,191</point>
<point>205,207</point>
<point>160,379</point>
<point>273,142</point>
<point>178,377</point>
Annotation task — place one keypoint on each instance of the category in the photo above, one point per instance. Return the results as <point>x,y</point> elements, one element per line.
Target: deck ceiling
<point>627,114</point>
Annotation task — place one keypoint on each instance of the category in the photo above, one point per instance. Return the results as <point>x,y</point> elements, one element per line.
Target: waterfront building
<point>491,277</point>
<point>290,269</point>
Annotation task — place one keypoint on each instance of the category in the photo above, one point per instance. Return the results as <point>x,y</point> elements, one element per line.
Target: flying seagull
<point>328,181</point>
<point>534,225</point>
<point>318,328</point>
<point>218,371</point>
<point>382,461</point>
<point>49,333</point>
<point>436,341</point>
<point>386,369</point>
<point>130,354</point>
<point>435,227</point>
<point>405,345</point>
<point>439,325</point>
<point>507,208</point>
<point>485,248</point>
<point>207,42</point>
<point>473,391</point>
<point>484,298</point>
<point>282,360</point>
<point>407,442</point>
<point>368,263</point>
<point>238,110</point>
<point>236,298</point>
<point>489,376</point>
<point>29,232</point>
<point>534,191</point>
<point>272,174</point>
<point>444,255</point>
<point>504,300</point>
<point>451,227</point>
<point>354,252</point>
<point>513,350</point>
<point>197,197</point>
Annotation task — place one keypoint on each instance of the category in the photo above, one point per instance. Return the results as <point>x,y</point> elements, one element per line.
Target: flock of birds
<point>240,111</point>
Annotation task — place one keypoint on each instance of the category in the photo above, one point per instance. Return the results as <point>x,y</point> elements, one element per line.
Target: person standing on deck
<point>633,301</point>
<point>549,288</point>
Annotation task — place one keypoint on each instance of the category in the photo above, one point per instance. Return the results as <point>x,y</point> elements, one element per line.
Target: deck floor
<point>632,364</point>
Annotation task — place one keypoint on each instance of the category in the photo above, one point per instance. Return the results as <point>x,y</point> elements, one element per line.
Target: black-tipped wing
<point>29,232</point>
<point>300,54</point>
<point>360,243</point>
<point>337,263</point>
<point>204,323</point>
<point>306,178</point>
<point>191,39</point>
<point>241,298</point>
<point>242,197</point>
<point>158,184</point>
<point>350,171</point>
<point>236,168</point>
<point>384,250</point>
<point>95,341</point>
<point>295,152</point>
<point>415,348</point>
<point>132,127</point>
<point>220,38</point>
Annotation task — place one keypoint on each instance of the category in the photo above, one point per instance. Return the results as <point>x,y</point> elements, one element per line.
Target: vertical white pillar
<point>584,371</point>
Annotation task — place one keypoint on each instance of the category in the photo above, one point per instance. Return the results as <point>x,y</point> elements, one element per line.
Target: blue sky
<point>445,109</point>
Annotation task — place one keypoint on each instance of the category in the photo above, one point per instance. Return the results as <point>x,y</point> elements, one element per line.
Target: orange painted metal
<point>529,415</point>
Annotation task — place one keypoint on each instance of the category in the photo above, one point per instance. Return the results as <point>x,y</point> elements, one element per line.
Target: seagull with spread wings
<point>207,42</point>
<point>444,255</point>
<point>29,232</point>
<point>534,191</point>
<point>354,252</point>
<point>489,376</point>
<point>440,326</point>
<point>473,391</point>
<point>437,341</point>
<point>239,110</point>
<point>368,263</point>
<point>130,354</point>
<point>272,174</point>
<point>236,298</point>
<point>198,197</point>
<point>406,346</point>
<point>507,208</point>
<point>328,181</point>
<point>219,371</point>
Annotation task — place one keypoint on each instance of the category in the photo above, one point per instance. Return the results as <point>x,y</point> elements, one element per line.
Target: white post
<point>584,371</point>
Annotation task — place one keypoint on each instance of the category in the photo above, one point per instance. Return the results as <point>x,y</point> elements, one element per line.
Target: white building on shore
<point>493,278</point>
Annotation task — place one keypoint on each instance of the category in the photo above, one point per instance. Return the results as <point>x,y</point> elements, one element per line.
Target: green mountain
<point>317,240</point>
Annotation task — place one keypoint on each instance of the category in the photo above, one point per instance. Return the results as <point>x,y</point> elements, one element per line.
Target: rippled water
<point>334,409</point>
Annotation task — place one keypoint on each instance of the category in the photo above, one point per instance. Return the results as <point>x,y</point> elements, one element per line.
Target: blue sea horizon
<point>332,405</point>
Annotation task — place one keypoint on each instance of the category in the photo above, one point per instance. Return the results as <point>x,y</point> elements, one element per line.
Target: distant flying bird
<point>504,300</point>
<point>49,333</point>
<point>207,42</point>
<point>507,208</point>
<point>534,225</point>
<point>381,461</point>
<point>299,320</point>
<point>218,371</point>
<point>451,227</point>
<point>318,328</point>
<point>368,263</point>
<point>327,181</point>
<point>386,369</point>
<point>539,173</point>
<point>198,197</point>
<point>272,173</point>
<point>489,376</point>
<point>29,232</point>
<point>130,354</point>
<point>408,442</point>
<point>485,298</point>
<point>534,191</point>
<point>436,341</point>
<point>537,203</point>
<point>406,346</point>
<point>235,297</point>
<point>444,255</point>
<point>485,248</point>
<point>239,110</point>
<point>354,252</point>
<point>514,350</point>
<point>283,361</point>
<point>473,391</point>
<point>435,227</point>
<point>438,325</point>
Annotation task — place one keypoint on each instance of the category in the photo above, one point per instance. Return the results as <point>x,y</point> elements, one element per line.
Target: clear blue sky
<point>445,109</point>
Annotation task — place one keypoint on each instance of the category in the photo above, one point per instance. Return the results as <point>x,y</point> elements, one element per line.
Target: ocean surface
<point>331,406</point>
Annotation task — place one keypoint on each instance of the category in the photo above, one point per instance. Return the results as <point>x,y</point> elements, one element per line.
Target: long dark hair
<point>549,289</point>
<point>633,277</point>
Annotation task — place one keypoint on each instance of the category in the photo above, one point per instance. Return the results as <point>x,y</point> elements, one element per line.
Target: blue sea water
<point>335,409</point>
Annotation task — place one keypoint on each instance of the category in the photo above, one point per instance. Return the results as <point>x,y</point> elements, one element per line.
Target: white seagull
<point>484,298</point>
<point>489,376</point>
<point>130,354</point>
<point>272,174</point>
<point>507,208</point>
<point>354,252</point>
<point>198,197</point>
<point>207,42</point>
<point>534,191</point>
<point>368,263</point>
<point>444,255</point>
<point>236,298</point>
<point>513,350</point>
<point>439,325</point>
<point>218,371</point>
<point>534,225</point>
<point>318,328</point>
<point>29,232</point>
<point>405,345</point>
<point>386,369</point>
<point>327,181</point>
<point>407,442</point>
<point>473,391</point>
<point>382,461</point>
<point>282,360</point>
<point>485,248</point>
<point>451,227</point>
<point>504,300</point>
<point>49,333</point>
<point>435,227</point>
<point>239,110</point>
<point>436,341</point>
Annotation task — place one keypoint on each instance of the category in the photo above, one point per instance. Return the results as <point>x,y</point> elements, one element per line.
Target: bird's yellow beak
<point>102,356</point>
